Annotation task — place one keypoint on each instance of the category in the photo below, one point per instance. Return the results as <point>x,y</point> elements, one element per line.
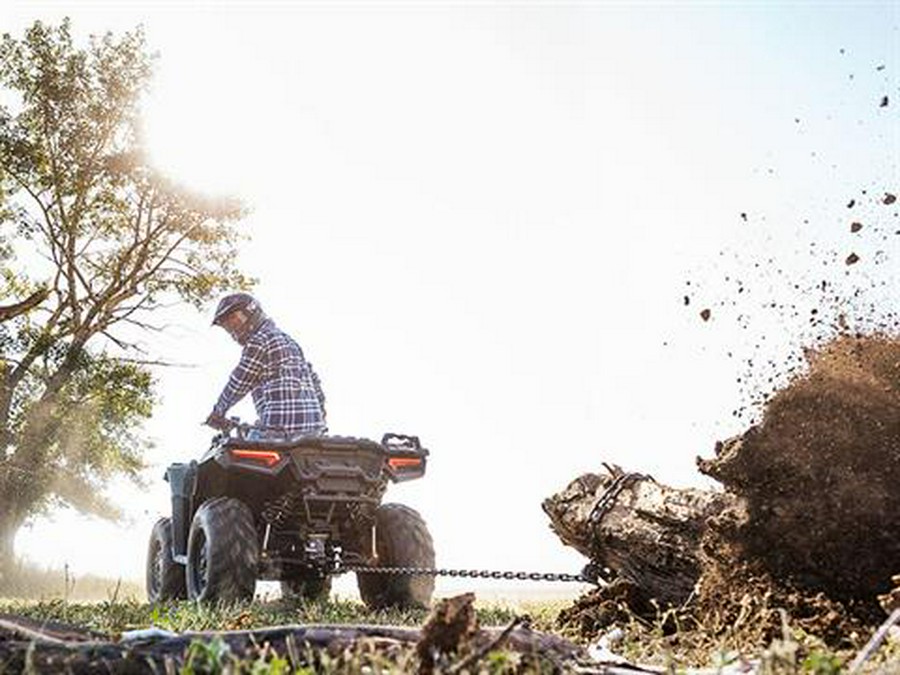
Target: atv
<point>295,510</point>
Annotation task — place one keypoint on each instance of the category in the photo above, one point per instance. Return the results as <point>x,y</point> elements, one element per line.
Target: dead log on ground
<point>636,529</point>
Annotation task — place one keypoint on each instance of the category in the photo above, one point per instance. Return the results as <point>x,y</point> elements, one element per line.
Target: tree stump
<point>636,529</point>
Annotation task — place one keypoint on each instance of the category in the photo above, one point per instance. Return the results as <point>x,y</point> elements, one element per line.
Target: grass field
<point>115,616</point>
<point>640,643</point>
<point>121,608</point>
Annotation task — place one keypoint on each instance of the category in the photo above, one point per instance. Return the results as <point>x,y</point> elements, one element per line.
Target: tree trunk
<point>12,515</point>
<point>636,529</point>
<point>8,531</point>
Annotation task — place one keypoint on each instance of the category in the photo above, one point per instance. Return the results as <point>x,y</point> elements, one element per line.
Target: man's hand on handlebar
<point>217,421</point>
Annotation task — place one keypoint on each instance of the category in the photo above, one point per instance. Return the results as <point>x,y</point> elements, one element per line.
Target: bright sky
<point>480,220</point>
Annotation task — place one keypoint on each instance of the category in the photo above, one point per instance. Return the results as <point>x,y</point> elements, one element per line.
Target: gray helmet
<point>248,306</point>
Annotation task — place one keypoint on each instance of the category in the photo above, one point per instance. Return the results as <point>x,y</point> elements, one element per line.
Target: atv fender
<point>182,479</point>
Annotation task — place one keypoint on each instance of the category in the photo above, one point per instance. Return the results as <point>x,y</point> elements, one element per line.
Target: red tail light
<point>267,457</point>
<point>404,462</point>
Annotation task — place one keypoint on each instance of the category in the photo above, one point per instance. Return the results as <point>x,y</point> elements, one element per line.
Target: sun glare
<point>189,144</point>
<point>198,125</point>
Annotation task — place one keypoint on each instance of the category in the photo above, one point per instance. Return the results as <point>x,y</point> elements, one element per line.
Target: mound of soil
<point>819,475</point>
<point>807,530</point>
<point>616,604</point>
<point>737,595</point>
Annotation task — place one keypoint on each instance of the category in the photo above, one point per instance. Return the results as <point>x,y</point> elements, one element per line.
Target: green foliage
<point>206,657</point>
<point>110,241</point>
<point>822,663</point>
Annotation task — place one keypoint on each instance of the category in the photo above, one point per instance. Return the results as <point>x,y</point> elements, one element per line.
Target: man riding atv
<point>286,391</point>
<point>283,501</point>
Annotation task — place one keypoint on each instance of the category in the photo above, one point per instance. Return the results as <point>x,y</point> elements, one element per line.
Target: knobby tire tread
<point>232,551</point>
<point>402,540</point>
<point>171,584</point>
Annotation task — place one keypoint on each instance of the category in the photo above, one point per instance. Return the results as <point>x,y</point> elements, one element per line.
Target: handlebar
<point>228,427</point>
<point>234,428</point>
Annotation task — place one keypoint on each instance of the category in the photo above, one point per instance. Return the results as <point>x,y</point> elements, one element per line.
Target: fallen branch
<point>875,641</point>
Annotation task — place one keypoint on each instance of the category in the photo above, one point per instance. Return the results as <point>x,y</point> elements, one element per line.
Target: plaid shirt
<point>286,391</point>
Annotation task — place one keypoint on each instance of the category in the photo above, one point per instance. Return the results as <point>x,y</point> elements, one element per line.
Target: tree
<point>93,244</point>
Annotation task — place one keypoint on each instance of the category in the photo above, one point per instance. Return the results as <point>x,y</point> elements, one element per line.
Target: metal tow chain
<point>478,574</point>
<point>611,493</point>
<point>590,575</point>
<point>602,506</point>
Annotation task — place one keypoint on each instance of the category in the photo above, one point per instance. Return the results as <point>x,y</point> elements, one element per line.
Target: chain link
<point>606,501</point>
<point>477,574</point>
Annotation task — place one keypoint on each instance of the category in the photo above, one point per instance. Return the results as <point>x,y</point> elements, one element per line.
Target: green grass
<point>115,616</point>
<point>640,641</point>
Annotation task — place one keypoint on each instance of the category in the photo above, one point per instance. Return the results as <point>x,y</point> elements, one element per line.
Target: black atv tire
<point>165,577</point>
<point>306,587</point>
<point>222,552</point>
<point>401,540</point>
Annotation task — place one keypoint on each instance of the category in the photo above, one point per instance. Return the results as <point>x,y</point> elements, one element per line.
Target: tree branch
<point>11,311</point>
<point>48,218</point>
<point>146,326</point>
<point>167,255</point>
<point>121,344</point>
<point>154,362</point>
